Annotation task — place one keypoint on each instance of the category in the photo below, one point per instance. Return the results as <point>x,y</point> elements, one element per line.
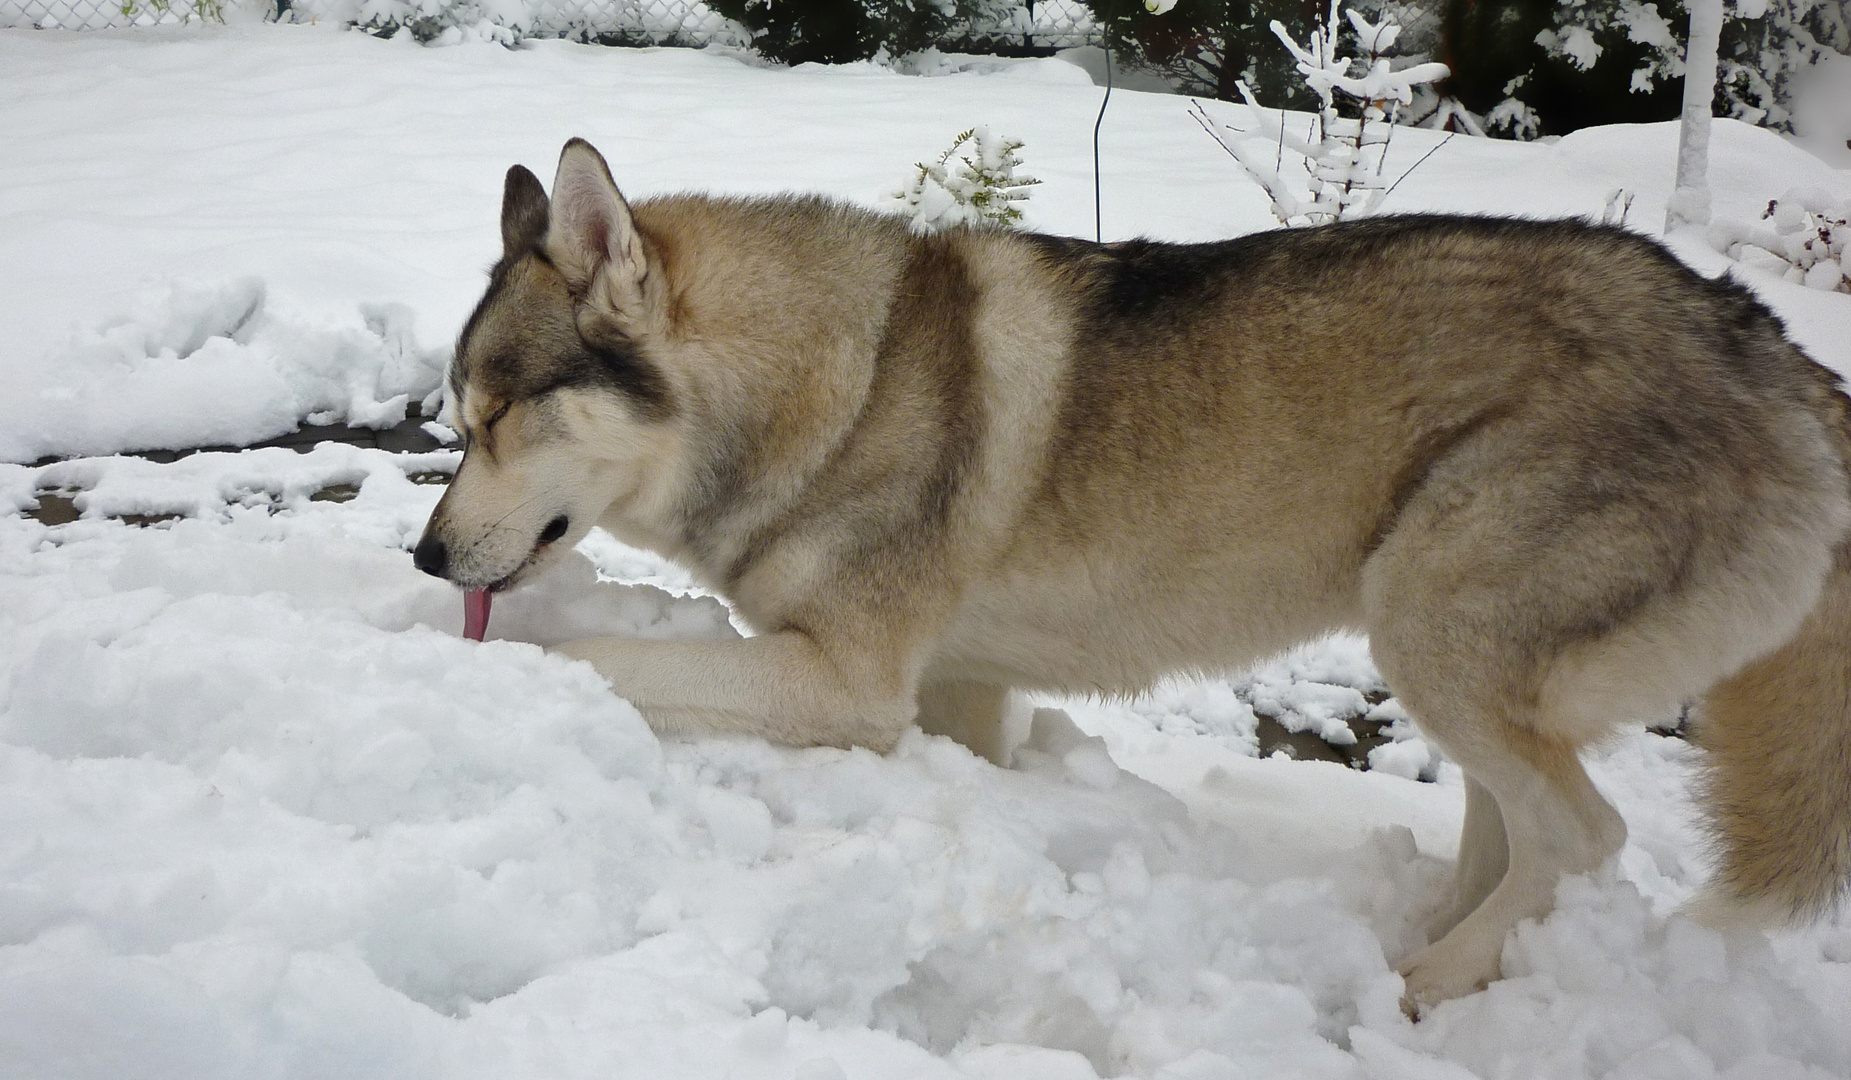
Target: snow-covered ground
<point>263,814</point>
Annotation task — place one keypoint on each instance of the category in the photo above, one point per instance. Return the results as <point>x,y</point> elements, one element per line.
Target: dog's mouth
<point>554,531</point>
<point>501,584</point>
<point>511,579</point>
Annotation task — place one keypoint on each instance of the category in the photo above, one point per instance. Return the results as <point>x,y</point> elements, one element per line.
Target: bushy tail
<point>1779,789</point>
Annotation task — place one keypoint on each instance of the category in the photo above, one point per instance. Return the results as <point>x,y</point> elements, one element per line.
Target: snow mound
<point>198,363</point>
<point>269,816</point>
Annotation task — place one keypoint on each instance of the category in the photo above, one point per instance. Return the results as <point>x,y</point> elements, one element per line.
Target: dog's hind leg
<point>975,714</point>
<point>1556,824</point>
<point>1536,591</point>
<point>1484,856</point>
<point>1489,581</point>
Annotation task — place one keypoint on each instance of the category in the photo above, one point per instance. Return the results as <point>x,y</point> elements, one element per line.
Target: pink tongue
<point>475,613</point>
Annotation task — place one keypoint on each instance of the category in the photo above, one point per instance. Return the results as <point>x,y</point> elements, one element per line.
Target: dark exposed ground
<point>405,437</point>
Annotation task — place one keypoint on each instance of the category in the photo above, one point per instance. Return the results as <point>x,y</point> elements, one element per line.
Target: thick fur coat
<point>1561,482</point>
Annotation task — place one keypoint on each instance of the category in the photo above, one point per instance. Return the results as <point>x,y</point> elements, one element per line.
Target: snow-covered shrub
<point>1803,241</point>
<point>204,10</point>
<point>1419,42</point>
<point>1204,47</point>
<point>447,22</point>
<point>843,31</point>
<point>509,22</point>
<point>1514,119</point>
<point>1360,99</point>
<point>973,183</point>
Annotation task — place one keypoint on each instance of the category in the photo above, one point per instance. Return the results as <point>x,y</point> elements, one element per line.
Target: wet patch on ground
<point>408,436</point>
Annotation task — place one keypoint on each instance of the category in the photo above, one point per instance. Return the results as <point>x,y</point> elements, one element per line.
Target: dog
<point>1559,480</point>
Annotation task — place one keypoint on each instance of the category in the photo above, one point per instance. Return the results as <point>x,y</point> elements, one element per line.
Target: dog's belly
<point>1083,627</point>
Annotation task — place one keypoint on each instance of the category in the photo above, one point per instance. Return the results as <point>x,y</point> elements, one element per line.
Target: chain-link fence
<point>1033,26</point>
<point>100,14</point>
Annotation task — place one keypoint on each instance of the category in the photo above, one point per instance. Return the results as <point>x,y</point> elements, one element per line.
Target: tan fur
<point>1559,480</point>
<point>1780,735</point>
<point>1779,732</point>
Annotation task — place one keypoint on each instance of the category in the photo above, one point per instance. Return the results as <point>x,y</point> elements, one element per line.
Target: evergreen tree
<point>1548,67</point>
<point>1767,47</point>
<point>1573,63</point>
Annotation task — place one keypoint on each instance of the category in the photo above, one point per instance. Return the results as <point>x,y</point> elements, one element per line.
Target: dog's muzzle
<point>432,555</point>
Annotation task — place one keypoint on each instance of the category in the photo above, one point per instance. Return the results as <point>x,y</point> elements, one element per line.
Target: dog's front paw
<point>583,649</point>
<point>594,651</point>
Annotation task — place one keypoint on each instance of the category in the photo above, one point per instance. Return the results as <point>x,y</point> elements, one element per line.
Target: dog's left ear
<point>523,212</point>
<point>591,227</point>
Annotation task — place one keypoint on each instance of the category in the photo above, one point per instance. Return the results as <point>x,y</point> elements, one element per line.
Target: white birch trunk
<point>1690,199</point>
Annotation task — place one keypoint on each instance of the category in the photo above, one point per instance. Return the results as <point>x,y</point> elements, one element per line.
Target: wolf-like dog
<point>1560,481</point>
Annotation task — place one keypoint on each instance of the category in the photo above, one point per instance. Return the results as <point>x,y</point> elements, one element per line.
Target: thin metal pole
<point>1098,226</point>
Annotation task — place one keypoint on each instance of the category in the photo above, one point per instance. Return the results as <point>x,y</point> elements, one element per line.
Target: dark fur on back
<point>1568,293</point>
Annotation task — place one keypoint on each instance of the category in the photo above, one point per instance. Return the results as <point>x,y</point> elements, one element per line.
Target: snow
<point>186,346</point>
<point>1822,109</point>
<point>263,814</point>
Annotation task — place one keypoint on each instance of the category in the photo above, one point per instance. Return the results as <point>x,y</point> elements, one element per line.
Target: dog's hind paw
<point>1445,970</point>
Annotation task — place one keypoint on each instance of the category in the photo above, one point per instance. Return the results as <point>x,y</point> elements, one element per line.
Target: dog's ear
<point>591,226</point>
<point>523,212</point>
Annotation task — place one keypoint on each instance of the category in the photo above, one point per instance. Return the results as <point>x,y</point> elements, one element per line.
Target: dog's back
<point>1238,427</point>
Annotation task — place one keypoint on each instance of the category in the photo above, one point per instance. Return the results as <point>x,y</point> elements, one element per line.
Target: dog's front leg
<point>782,686</point>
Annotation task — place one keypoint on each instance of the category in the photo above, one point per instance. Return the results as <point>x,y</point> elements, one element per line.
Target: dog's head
<point>562,411</point>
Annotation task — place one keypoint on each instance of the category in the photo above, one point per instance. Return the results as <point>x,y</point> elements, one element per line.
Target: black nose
<point>555,529</point>
<point>430,556</point>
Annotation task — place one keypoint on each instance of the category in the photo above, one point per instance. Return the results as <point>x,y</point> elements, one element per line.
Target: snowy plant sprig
<point>975,182</point>
<point>1345,154</point>
<point>1377,88</point>
<point>1805,240</point>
